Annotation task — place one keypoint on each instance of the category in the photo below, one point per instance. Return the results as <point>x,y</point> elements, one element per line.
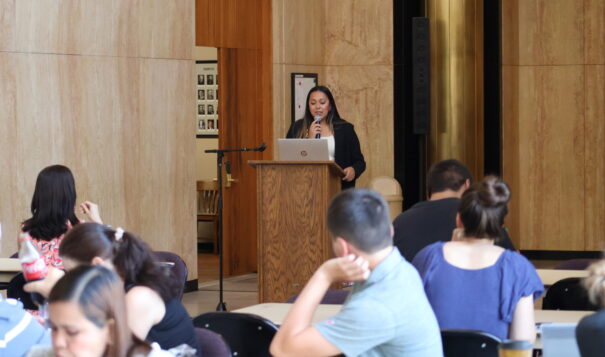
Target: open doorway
<point>207,121</point>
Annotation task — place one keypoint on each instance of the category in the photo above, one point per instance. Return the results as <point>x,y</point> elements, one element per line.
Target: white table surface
<point>9,267</point>
<point>551,276</point>
<point>276,312</point>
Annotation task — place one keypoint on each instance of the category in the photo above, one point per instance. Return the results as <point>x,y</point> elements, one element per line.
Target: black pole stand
<point>220,153</point>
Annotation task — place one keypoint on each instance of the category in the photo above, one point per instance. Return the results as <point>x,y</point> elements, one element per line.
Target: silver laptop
<point>559,340</point>
<point>303,149</point>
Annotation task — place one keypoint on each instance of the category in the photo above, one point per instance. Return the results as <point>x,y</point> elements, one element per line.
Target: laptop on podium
<point>303,149</point>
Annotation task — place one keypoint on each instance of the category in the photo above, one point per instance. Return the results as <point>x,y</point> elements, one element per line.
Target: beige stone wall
<point>106,88</point>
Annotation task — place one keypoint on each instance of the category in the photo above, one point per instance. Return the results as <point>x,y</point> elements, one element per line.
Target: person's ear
<point>458,221</point>
<point>98,261</point>
<point>467,184</point>
<point>341,247</point>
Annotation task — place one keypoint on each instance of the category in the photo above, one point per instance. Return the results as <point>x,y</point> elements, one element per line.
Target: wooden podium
<point>293,237</point>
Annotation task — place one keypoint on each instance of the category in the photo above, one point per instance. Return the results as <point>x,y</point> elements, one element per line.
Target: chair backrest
<point>575,264</point>
<point>207,197</point>
<point>176,267</point>
<point>246,334</point>
<point>567,294</point>
<point>211,344</point>
<point>462,343</point>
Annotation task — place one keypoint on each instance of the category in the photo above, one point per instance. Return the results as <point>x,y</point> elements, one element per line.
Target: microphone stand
<point>220,153</point>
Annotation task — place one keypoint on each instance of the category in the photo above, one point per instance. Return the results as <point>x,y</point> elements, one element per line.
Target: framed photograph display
<point>207,99</point>
<point>301,84</point>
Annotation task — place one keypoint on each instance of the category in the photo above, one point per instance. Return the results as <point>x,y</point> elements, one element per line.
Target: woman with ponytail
<point>590,332</point>
<point>472,283</point>
<point>153,311</point>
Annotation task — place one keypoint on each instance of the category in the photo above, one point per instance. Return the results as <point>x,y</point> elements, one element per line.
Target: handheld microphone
<point>317,120</point>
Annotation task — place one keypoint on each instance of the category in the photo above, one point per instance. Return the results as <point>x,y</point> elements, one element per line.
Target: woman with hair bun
<point>590,332</point>
<point>473,284</point>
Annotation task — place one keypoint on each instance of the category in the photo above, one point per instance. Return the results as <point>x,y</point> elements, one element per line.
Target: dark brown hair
<point>447,175</point>
<point>308,118</point>
<point>483,208</point>
<point>100,295</point>
<point>53,203</point>
<point>132,258</point>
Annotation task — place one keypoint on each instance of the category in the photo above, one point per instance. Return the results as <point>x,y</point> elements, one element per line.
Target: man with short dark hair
<point>434,220</point>
<point>387,312</point>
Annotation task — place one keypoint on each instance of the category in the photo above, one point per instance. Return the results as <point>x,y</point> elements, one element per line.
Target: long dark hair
<point>332,116</point>
<point>133,259</point>
<point>100,295</point>
<point>483,207</point>
<point>53,203</point>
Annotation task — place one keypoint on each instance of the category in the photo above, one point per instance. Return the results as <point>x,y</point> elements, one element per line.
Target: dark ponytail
<point>132,258</point>
<point>483,208</point>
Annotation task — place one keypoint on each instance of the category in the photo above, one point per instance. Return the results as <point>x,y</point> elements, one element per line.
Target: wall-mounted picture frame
<point>207,121</point>
<point>301,84</point>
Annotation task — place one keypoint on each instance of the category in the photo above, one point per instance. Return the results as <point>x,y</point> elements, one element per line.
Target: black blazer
<point>346,152</point>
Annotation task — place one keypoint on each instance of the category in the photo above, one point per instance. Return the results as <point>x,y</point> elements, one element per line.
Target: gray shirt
<point>387,315</point>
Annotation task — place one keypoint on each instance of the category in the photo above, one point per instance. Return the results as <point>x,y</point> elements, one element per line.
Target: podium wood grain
<point>293,238</point>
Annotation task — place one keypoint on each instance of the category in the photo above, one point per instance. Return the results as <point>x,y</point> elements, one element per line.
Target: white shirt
<point>331,145</point>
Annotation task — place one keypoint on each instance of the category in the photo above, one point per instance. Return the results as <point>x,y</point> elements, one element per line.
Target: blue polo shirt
<point>386,315</point>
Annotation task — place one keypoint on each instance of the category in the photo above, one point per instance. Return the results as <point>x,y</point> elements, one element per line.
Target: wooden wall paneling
<point>595,157</point>
<point>229,23</point>
<point>364,95</point>
<point>243,127</point>
<point>594,31</point>
<point>550,32</point>
<point>551,148</point>
<point>511,171</point>
<point>359,32</point>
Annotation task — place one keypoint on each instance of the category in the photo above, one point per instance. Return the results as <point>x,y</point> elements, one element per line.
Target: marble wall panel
<point>136,28</point>
<point>549,32</point>
<point>594,31</point>
<point>359,32</point>
<point>551,157</point>
<point>364,95</point>
<point>595,157</point>
<point>120,124</point>
<point>7,25</point>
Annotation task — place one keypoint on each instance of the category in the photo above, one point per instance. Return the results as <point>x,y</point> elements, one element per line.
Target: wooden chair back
<point>207,198</point>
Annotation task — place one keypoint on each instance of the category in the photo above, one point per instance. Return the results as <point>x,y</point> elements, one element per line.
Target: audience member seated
<point>53,214</point>
<point>53,211</point>
<point>386,314</point>
<point>19,330</point>
<point>434,220</point>
<point>590,332</point>
<point>473,284</point>
<point>87,314</point>
<point>154,312</point>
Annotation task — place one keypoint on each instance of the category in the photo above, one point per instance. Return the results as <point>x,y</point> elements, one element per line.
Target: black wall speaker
<point>421,79</point>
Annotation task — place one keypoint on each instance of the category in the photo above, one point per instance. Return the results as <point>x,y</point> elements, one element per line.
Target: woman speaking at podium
<point>322,120</point>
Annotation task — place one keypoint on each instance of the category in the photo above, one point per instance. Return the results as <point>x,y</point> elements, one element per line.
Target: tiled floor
<point>239,291</point>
